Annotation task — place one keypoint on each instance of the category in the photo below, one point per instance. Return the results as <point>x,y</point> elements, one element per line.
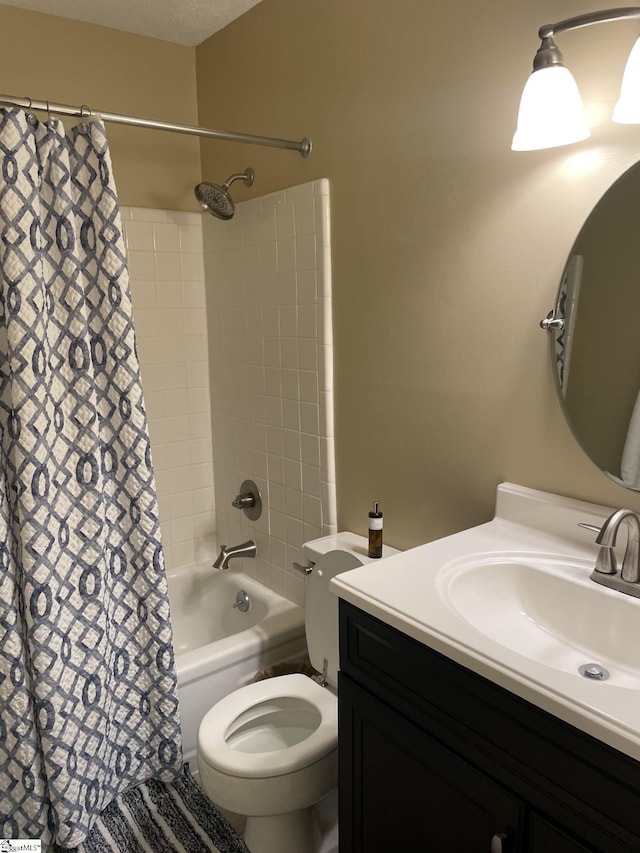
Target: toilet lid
<point>240,734</point>
<point>321,610</point>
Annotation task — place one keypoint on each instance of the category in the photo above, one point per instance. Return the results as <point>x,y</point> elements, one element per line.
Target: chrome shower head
<point>215,198</point>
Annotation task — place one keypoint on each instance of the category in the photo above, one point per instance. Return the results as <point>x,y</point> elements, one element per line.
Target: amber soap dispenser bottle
<point>375,531</point>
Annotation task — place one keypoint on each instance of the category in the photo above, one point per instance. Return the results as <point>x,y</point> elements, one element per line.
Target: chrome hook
<point>32,118</point>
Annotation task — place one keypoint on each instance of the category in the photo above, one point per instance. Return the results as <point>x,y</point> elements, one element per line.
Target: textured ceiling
<point>187,22</point>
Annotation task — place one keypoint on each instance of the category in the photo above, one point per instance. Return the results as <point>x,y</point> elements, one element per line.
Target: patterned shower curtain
<point>88,700</point>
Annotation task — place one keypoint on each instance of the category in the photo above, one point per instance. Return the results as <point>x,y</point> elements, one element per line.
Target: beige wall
<point>46,57</point>
<point>447,247</point>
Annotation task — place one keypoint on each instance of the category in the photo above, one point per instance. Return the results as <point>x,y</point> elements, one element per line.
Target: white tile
<point>323,221</point>
<point>293,474</point>
<point>168,266</point>
<point>269,258</point>
<point>143,294</point>
<point>142,265</point>
<point>310,449</point>
<point>305,216</point>
<point>309,386</point>
<point>181,504</point>
<point>311,482</point>
<point>321,186</point>
<point>270,292</point>
<point>284,221</point>
<point>287,254</point>
<point>293,503</point>
<point>310,418</point>
<point>271,321</point>
<point>279,522</point>
<point>274,440</point>
<point>195,321</point>
<point>251,227</point>
<point>182,530</point>
<point>149,214</point>
<point>272,383</point>
<point>288,321</point>
<point>139,236</point>
<point>273,411</point>
<point>290,386</point>
<point>307,288</point>
<point>191,239</point>
<point>252,264</point>
<point>197,374</point>
<point>294,535</point>
<point>312,510</point>
<point>200,450</point>
<point>327,460</point>
<point>275,466</point>
<point>289,352</point>
<point>183,553</point>
<point>267,226</point>
<point>169,294</point>
<point>272,353</point>
<point>323,261</point>
<point>291,444</point>
<point>305,251</point>
<point>193,294</point>
<point>166,237</point>
<point>287,288</point>
<point>308,354</point>
<point>192,267</point>
<point>307,321</point>
<point>291,414</point>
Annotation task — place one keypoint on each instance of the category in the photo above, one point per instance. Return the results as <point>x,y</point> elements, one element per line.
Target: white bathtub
<point>217,647</point>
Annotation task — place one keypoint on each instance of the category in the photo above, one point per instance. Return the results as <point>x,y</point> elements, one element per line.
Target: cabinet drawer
<point>550,764</point>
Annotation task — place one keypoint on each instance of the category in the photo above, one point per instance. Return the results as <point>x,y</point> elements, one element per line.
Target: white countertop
<point>406,592</point>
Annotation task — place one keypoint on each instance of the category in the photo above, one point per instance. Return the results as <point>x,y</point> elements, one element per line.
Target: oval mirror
<point>596,353</point>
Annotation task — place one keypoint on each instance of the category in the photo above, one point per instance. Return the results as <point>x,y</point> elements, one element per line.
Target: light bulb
<point>551,112</point>
<point>627,110</point>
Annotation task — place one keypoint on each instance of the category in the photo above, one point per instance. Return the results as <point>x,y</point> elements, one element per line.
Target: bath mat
<point>157,817</point>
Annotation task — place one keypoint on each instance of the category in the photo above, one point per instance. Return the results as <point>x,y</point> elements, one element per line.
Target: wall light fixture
<point>551,111</point>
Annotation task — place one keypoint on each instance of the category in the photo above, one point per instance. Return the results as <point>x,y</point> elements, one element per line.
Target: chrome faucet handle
<point>606,563</point>
<point>630,571</point>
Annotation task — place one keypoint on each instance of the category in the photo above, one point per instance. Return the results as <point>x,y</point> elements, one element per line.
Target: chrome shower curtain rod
<point>84,111</point>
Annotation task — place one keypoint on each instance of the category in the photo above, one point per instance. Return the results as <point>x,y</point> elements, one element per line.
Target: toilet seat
<point>270,728</point>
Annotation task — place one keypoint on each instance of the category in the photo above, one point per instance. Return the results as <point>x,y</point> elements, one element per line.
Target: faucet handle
<point>606,560</point>
<point>594,527</point>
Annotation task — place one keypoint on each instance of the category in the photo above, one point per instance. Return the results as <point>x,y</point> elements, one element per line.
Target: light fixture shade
<point>627,110</point>
<point>551,112</point>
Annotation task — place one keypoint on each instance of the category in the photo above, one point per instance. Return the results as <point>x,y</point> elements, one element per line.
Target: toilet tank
<point>331,555</point>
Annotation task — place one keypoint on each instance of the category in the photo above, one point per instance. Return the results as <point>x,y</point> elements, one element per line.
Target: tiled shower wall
<point>268,276</point>
<point>167,286</point>
<point>250,352</point>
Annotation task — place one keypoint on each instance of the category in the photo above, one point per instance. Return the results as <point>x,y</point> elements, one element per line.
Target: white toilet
<point>269,750</point>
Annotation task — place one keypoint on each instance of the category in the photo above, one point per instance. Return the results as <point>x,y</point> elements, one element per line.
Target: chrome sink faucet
<point>605,571</point>
<point>230,552</point>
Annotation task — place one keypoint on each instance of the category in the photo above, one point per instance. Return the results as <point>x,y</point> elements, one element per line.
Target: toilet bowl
<point>269,750</point>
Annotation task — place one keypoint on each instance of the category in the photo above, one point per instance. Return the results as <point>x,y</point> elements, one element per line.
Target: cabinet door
<point>400,789</point>
<point>545,836</point>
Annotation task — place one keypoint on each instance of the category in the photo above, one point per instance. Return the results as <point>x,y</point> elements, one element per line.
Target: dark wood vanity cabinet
<point>436,759</point>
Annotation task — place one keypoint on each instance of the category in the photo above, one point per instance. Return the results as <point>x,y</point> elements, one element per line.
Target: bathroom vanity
<point>452,741</point>
<point>436,758</point>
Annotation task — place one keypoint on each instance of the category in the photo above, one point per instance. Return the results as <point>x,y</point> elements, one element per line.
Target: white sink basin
<point>548,610</point>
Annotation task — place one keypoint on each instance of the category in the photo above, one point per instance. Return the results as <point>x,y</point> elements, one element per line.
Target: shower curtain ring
<point>49,112</point>
<point>31,118</point>
<point>84,118</point>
